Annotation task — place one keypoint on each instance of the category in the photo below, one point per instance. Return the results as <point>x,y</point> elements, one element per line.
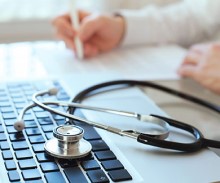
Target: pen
<point>75,24</point>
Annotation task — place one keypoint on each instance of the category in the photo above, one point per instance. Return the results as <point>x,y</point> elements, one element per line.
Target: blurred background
<point>25,20</point>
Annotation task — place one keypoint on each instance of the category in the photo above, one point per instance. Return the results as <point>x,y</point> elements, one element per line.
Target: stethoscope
<point>68,142</point>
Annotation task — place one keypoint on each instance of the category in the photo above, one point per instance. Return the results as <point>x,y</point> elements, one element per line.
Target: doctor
<point>184,23</point>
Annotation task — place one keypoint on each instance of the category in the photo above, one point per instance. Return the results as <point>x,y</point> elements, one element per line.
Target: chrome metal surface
<point>82,149</point>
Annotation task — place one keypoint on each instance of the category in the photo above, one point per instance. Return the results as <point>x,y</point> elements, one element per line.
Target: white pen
<point>75,24</point>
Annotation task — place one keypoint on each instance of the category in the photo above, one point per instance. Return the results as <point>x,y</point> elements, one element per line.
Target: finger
<point>200,48</point>
<point>192,58</point>
<point>188,71</point>
<point>89,26</point>
<point>82,14</point>
<point>57,19</point>
<point>64,26</point>
<point>90,50</point>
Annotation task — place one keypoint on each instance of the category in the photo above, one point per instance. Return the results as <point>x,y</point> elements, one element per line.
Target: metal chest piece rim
<point>68,143</point>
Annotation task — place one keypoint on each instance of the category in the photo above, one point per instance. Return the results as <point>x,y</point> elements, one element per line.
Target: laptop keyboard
<point>23,152</point>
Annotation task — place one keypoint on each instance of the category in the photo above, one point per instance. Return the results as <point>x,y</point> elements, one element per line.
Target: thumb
<point>89,26</point>
<point>187,71</point>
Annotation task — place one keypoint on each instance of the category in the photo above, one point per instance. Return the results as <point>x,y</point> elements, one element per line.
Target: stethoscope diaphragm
<point>68,143</point>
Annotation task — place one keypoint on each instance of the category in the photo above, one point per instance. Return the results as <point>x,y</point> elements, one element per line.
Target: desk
<point>37,60</point>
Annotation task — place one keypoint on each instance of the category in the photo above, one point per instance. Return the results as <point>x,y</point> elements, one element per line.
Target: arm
<point>182,23</point>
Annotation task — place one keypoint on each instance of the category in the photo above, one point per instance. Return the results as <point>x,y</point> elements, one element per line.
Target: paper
<point>53,58</point>
<point>144,62</point>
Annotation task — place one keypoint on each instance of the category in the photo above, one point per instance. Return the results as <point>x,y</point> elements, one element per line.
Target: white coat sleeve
<point>182,23</point>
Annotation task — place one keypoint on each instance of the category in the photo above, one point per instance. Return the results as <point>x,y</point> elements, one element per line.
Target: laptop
<point>113,158</point>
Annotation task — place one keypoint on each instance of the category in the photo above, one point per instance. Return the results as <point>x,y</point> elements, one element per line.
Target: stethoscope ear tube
<point>198,144</point>
<point>211,143</point>
<point>189,147</point>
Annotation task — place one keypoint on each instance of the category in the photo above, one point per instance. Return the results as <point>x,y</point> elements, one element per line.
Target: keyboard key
<point>32,131</point>
<point>99,145</point>
<point>75,175</point>
<point>5,104</point>
<point>19,100</point>
<point>20,105</point>
<point>86,158</point>
<point>10,165</point>
<point>29,92</point>
<point>4,145</point>
<point>38,147</point>
<point>31,174</point>
<point>58,117</point>
<point>105,155</point>
<point>43,114</point>
<point>6,109</point>
<point>43,157</point>
<point>9,122</point>
<point>2,137</point>
<point>15,89</point>
<point>45,121</point>
<point>36,139</point>
<point>49,135</point>
<point>97,176</point>
<point>89,132</point>
<point>13,176</point>
<point>3,94</point>
<point>9,115</point>
<point>30,124</point>
<point>37,109</point>
<point>16,137</point>
<point>23,154</point>
<point>16,95</point>
<point>11,129</point>
<point>28,117</point>
<point>34,181</point>
<point>7,155</point>
<point>52,177</point>
<point>60,122</point>
<point>49,167</point>
<point>90,165</point>
<point>119,175</point>
<point>112,165</point>
<point>27,164</point>
<point>47,128</point>
<point>65,163</point>
<point>1,129</point>
<point>20,145</point>
<point>4,99</point>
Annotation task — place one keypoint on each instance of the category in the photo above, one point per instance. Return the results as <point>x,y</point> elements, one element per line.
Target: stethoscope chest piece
<point>68,143</point>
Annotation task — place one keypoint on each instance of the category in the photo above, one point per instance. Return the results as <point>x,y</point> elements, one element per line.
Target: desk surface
<point>37,60</point>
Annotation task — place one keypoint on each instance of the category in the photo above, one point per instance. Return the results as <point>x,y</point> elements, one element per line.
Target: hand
<point>99,33</point>
<point>202,63</point>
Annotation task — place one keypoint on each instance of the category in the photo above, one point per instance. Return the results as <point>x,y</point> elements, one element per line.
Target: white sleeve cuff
<point>136,27</point>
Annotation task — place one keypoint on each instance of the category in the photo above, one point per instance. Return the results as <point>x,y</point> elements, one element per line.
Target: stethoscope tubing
<point>200,142</point>
<point>85,93</point>
<point>150,139</point>
<point>43,105</point>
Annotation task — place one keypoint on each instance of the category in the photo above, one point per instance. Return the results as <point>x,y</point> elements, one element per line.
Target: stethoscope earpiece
<point>19,125</point>
<point>53,91</point>
<point>68,143</point>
